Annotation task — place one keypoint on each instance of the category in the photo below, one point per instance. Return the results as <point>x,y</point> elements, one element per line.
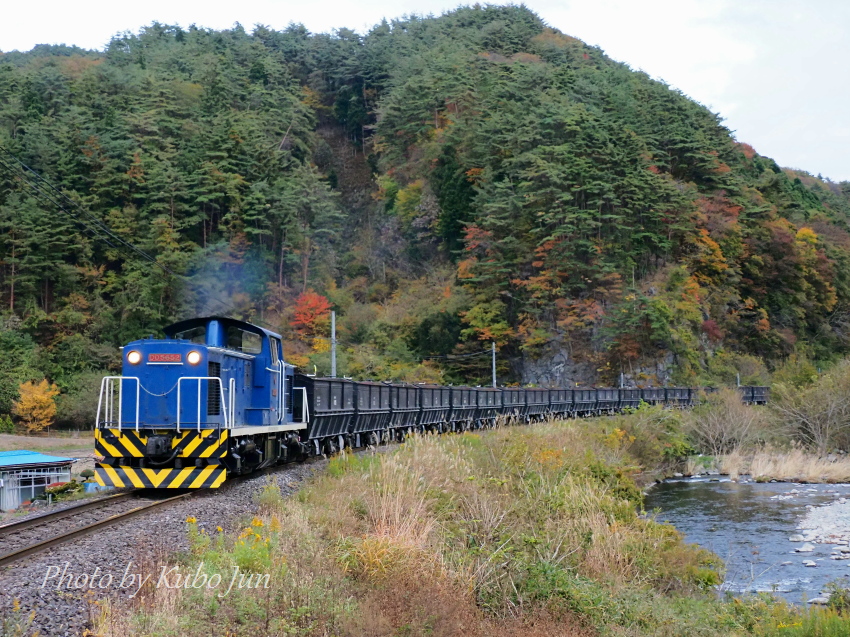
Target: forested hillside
<point>439,182</point>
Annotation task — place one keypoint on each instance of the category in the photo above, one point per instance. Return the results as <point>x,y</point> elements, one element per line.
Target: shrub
<point>819,414</point>
<point>63,491</point>
<point>723,423</point>
<point>6,424</point>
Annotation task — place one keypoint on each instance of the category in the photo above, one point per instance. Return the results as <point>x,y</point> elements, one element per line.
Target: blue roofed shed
<point>25,474</point>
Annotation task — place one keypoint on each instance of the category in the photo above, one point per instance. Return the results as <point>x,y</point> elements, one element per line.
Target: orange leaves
<point>555,39</point>
<point>545,248</point>
<point>477,237</point>
<point>464,268</point>
<point>578,314</point>
<point>708,262</point>
<point>311,314</point>
<point>136,172</point>
<point>473,175</point>
<point>749,151</point>
<point>691,290</point>
<point>535,283</point>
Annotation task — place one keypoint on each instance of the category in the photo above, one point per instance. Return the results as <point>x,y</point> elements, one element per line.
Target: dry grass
<point>793,465</point>
<point>518,531</point>
<point>798,465</point>
<point>79,441</point>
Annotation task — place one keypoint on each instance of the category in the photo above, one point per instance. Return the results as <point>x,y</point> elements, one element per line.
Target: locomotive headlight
<point>134,357</point>
<point>193,358</point>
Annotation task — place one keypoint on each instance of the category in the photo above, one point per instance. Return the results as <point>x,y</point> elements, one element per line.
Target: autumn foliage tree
<point>36,406</point>
<point>311,316</point>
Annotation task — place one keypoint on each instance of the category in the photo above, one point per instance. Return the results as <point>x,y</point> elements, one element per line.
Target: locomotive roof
<point>182,326</point>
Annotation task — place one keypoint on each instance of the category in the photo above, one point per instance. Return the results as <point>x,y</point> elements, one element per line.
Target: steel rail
<point>44,518</point>
<point>32,549</point>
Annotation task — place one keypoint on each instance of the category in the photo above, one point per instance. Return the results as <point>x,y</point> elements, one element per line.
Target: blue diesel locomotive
<point>215,398</point>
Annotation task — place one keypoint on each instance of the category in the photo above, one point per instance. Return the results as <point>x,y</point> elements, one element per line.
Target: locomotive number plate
<point>165,358</point>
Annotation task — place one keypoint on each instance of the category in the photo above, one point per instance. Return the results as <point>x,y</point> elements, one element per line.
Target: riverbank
<point>517,531</point>
<point>763,465</point>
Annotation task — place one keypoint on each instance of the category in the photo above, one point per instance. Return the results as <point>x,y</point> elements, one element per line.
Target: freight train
<point>215,398</point>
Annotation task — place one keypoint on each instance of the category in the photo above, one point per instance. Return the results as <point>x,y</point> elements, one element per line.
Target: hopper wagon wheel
<point>329,448</point>
<point>374,441</point>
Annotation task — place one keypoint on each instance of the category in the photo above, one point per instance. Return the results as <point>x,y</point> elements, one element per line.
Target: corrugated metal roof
<point>23,457</point>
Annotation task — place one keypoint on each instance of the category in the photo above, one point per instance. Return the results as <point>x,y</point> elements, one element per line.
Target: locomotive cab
<point>213,397</point>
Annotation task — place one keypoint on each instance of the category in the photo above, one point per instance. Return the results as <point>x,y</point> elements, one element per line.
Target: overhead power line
<point>451,357</point>
<point>45,190</point>
<point>47,193</point>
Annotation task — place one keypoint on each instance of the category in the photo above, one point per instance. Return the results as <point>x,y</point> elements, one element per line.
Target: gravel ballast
<point>60,584</point>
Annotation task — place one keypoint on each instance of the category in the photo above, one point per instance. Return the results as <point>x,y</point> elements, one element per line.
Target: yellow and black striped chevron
<point>208,477</point>
<point>119,443</point>
<point>207,443</point>
<point>124,443</point>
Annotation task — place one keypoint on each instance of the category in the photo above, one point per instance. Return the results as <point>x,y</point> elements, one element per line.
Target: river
<point>749,525</point>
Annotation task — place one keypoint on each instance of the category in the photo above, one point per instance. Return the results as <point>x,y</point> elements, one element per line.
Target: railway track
<point>39,533</point>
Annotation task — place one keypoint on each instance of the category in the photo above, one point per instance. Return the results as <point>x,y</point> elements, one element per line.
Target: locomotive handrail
<point>107,386</point>
<point>199,379</point>
<point>281,381</point>
<point>232,396</point>
<point>305,412</point>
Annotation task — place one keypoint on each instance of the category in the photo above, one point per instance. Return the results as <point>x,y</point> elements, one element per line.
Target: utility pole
<point>493,350</point>
<point>333,344</point>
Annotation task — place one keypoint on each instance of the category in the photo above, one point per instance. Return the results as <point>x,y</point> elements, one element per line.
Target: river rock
<point>823,601</point>
<point>809,563</point>
<point>677,475</point>
<point>806,548</point>
<point>790,563</point>
<point>796,538</point>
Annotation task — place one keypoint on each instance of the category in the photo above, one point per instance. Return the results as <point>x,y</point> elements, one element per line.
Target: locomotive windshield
<point>243,341</point>
<point>196,334</point>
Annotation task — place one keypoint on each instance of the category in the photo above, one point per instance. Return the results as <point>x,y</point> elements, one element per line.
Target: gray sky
<point>772,68</point>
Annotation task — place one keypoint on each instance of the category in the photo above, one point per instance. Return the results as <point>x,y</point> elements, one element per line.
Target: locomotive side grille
<point>213,390</point>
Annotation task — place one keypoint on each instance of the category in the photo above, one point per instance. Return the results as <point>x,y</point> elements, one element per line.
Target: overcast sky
<point>776,70</point>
